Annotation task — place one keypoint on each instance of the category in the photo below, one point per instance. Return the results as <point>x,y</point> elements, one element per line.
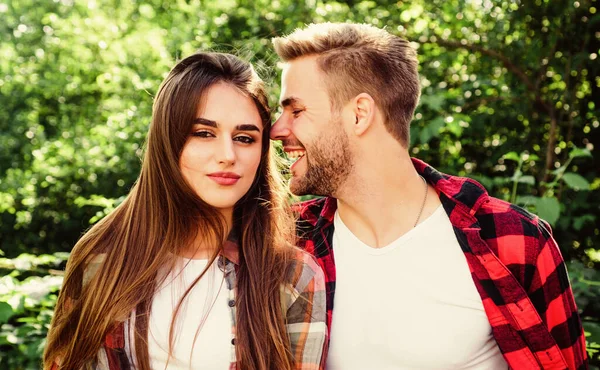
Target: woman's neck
<point>204,246</point>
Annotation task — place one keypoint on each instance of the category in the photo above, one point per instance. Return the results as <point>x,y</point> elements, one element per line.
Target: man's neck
<point>382,201</point>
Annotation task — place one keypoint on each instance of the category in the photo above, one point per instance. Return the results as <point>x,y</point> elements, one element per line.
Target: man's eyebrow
<point>289,101</point>
<point>214,124</point>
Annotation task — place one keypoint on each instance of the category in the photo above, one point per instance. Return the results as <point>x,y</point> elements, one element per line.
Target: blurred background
<point>510,97</point>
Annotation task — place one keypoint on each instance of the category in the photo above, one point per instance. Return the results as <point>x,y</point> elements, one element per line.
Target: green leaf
<point>548,209</point>
<point>527,180</point>
<point>575,181</point>
<point>527,200</point>
<point>431,130</point>
<point>455,128</point>
<point>414,133</point>
<point>433,101</point>
<point>579,152</point>
<point>592,328</point>
<point>487,182</point>
<point>513,156</point>
<point>593,254</point>
<point>579,222</point>
<point>517,175</point>
<point>425,135</point>
<point>436,125</point>
<point>6,312</point>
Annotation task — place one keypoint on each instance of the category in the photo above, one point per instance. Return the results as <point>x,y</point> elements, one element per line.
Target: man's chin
<point>298,187</point>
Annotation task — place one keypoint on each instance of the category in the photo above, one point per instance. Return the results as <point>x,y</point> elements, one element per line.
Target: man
<point>429,270</point>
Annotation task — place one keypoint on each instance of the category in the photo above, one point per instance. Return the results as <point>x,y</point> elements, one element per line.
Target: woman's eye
<point>244,139</point>
<point>297,112</point>
<point>203,134</point>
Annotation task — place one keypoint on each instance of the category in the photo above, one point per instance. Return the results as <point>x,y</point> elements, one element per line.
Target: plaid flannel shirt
<point>303,302</point>
<point>513,259</point>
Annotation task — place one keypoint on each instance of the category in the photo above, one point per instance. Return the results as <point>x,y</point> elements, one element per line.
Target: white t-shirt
<point>409,305</point>
<point>204,313</point>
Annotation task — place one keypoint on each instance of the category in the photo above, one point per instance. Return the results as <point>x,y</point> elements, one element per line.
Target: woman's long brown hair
<point>159,219</point>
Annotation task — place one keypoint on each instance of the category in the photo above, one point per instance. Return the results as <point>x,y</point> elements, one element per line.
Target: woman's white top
<point>202,330</point>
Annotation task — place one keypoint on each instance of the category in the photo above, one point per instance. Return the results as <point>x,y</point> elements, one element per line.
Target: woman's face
<point>222,153</point>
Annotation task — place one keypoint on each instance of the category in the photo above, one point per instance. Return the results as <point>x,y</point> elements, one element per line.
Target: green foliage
<point>509,97</point>
<point>28,292</point>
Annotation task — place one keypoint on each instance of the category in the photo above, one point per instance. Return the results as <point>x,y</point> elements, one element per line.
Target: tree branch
<point>550,147</point>
<point>506,62</point>
<point>544,68</point>
<point>531,87</point>
<point>494,54</point>
<point>483,101</point>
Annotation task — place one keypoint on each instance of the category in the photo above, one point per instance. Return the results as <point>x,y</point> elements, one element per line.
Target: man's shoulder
<point>309,209</point>
<point>493,214</point>
<point>504,218</point>
<point>515,235</point>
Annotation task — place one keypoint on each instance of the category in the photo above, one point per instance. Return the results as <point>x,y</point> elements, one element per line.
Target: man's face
<point>310,133</point>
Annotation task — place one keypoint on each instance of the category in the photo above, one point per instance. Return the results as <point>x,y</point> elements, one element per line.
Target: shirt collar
<point>231,249</point>
<point>467,193</point>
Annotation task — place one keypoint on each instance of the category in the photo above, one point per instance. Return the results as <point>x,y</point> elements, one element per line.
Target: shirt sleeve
<point>555,302</point>
<point>306,314</point>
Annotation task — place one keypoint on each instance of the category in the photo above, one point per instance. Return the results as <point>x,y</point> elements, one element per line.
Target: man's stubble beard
<point>329,161</point>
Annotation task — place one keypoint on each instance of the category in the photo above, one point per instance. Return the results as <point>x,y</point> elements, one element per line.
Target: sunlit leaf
<point>6,312</point>
<point>575,181</point>
<point>527,200</point>
<point>579,152</point>
<point>548,209</point>
<point>433,101</point>
<point>513,156</point>
<point>527,180</point>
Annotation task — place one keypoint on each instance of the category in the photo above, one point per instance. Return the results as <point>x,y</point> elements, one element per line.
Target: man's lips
<point>224,178</point>
<point>294,153</point>
<point>295,164</point>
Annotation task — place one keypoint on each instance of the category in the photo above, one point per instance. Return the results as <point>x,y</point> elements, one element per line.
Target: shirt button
<point>231,302</point>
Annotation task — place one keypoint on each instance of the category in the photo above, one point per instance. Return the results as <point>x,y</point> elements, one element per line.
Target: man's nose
<point>280,130</point>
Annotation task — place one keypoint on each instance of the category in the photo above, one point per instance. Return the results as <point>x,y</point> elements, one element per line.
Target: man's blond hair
<point>359,58</point>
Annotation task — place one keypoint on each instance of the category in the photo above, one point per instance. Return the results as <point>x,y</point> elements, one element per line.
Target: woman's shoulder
<point>304,272</point>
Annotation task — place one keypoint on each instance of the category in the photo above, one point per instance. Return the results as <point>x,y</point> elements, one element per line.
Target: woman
<point>195,268</point>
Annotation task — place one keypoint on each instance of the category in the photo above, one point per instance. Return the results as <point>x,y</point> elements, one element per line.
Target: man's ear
<point>364,112</point>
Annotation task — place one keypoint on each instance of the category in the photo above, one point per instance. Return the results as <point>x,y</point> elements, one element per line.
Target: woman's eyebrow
<point>247,127</point>
<point>206,122</point>
<point>214,124</point>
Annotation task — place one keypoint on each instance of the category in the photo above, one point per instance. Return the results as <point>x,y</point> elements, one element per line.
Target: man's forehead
<point>300,77</point>
<point>301,65</point>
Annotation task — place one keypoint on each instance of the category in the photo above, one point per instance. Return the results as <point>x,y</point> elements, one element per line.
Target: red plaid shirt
<point>514,261</point>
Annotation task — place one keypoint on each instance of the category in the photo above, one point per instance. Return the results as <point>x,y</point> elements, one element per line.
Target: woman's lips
<point>224,178</point>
